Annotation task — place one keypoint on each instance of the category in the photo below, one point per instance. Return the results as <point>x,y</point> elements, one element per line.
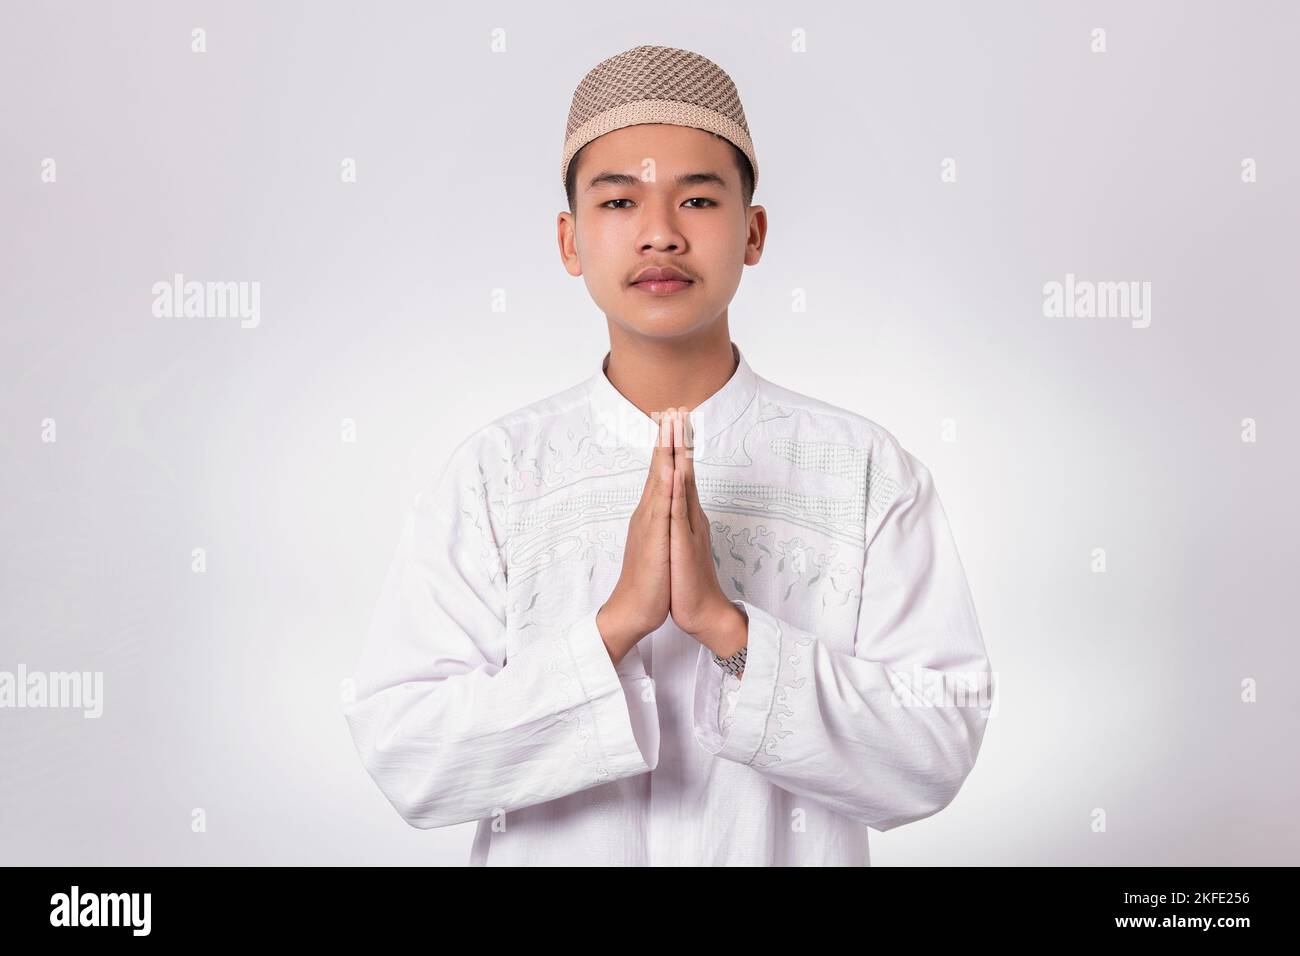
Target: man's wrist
<point>728,633</point>
<point>618,637</point>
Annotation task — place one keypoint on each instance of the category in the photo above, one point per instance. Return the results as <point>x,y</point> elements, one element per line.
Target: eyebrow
<point>628,181</point>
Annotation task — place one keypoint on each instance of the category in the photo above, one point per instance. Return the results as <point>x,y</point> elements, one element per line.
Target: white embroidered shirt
<point>485,693</point>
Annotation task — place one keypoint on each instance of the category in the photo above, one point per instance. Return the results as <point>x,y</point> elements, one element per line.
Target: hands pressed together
<point>668,561</point>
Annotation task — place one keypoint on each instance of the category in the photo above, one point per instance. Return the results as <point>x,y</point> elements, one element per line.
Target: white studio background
<point>1169,158</point>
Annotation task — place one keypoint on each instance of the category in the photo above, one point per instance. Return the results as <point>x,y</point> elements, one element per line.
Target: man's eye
<point>606,204</point>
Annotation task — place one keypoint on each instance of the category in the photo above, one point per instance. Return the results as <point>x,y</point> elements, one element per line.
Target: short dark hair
<point>742,164</point>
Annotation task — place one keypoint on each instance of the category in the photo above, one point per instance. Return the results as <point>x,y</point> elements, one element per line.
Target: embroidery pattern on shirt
<point>795,652</point>
<point>491,498</point>
<point>874,487</point>
<point>482,502</point>
<point>729,697</point>
<point>738,454</point>
<point>794,658</point>
<point>533,529</point>
<point>828,458</point>
<point>579,453</point>
<point>575,709</point>
<point>555,461</point>
<point>882,489</point>
<point>749,550</point>
<point>838,518</point>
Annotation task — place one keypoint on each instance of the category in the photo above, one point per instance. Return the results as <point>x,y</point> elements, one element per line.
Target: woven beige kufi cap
<point>656,84</point>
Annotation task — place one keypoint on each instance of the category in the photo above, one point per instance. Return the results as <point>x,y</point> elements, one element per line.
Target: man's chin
<point>661,322</point>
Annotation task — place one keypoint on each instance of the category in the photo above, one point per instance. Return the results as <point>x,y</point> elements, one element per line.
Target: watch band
<point>733,665</point>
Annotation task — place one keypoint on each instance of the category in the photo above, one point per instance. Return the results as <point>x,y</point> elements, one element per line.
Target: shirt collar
<point>619,422</point>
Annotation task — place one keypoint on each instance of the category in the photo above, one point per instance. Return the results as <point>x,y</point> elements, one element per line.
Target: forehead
<point>673,149</point>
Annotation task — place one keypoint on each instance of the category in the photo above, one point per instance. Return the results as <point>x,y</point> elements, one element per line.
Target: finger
<point>680,509</point>
<point>677,438</point>
<point>667,439</point>
<point>659,476</point>
<point>681,504</point>
<point>659,486</point>
<point>681,464</point>
<point>688,471</point>
<point>686,454</point>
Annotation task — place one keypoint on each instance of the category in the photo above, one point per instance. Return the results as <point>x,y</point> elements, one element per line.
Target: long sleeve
<point>885,735</point>
<point>451,729</point>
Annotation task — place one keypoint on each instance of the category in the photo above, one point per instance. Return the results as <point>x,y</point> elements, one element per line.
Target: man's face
<point>660,196</point>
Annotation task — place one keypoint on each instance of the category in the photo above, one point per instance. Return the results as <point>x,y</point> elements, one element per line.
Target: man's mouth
<point>661,281</point>
<point>662,286</point>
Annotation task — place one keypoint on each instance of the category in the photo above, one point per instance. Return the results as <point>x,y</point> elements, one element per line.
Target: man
<point>674,614</point>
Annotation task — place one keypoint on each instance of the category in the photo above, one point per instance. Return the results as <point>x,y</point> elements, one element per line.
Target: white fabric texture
<point>485,693</point>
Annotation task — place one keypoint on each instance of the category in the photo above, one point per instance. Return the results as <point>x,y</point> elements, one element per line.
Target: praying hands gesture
<point>668,561</point>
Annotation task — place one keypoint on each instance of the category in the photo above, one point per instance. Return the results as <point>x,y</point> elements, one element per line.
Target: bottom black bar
<point>336,905</point>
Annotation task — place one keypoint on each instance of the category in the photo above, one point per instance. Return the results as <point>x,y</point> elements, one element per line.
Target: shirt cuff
<point>624,713</point>
<point>739,733</point>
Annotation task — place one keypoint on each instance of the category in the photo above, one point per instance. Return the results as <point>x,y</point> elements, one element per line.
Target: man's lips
<point>661,280</point>
<point>662,286</point>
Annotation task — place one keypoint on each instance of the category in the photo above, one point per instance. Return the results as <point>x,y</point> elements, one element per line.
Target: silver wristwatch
<point>733,665</point>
